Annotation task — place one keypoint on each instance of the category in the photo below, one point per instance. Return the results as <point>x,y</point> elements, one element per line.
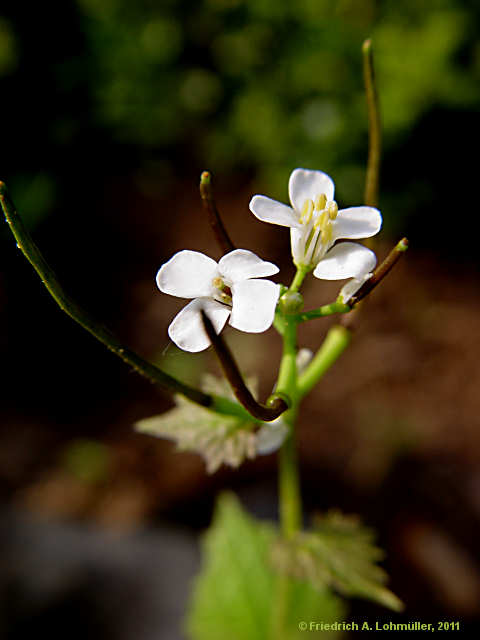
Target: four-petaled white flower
<point>316,224</point>
<point>227,289</point>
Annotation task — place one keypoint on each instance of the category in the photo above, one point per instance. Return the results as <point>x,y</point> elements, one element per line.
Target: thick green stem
<point>337,340</point>
<point>289,485</point>
<point>289,481</point>
<point>290,502</point>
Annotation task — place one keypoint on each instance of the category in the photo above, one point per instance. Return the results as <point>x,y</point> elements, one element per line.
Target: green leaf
<point>237,594</point>
<point>219,438</point>
<point>339,553</point>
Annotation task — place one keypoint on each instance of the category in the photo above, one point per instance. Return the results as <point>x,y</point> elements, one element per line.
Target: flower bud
<point>291,302</point>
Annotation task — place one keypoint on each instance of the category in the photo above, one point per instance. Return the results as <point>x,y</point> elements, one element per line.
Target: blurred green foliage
<point>158,91</point>
<point>8,48</point>
<point>269,86</point>
<point>87,460</point>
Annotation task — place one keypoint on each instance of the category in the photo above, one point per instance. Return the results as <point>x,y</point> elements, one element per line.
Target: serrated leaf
<point>339,553</point>
<point>236,595</point>
<point>220,439</point>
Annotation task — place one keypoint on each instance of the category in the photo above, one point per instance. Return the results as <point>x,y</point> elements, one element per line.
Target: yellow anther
<point>320,202</point>
<point>332,209</point>
<point>218,283</point>
<point>307,211</point>
<point>321,220</point>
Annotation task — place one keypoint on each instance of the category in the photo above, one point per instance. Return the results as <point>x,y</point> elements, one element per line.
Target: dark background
<point>110,110</point>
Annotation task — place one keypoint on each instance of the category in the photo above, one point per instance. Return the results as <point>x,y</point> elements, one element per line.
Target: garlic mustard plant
<point>224,421</point>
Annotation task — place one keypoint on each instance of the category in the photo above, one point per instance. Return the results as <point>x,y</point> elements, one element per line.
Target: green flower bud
<point>291,302</point>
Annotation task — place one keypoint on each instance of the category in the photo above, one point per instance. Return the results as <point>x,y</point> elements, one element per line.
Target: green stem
<point>141,366</point>
<point>230,408</point>
<point>289,485</point>
<point>337,340</point>
<point>290,503</point>
<point>322,312</point>
<point>299,278</point>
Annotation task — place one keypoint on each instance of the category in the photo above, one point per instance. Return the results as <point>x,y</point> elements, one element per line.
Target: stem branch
<point>381,271</point>
<point>277,404</point>
<point>374,127</point>
<point>322,312</point>
<point>335,343</point>
<point>221,235</point>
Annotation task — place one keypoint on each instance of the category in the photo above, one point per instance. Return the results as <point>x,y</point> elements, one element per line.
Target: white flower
<point>227,289</point>
<point>316,224</point>
<point>347,260</point>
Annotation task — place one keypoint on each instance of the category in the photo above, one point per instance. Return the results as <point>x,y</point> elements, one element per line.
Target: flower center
<point>321,212</point>
<point>223,293</point>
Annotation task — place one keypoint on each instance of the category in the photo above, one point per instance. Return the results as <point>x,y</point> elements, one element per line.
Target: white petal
<point>270,436</point>
<point>186,329</point>
<point>357,222</point>
<point>297,242</point>
<point>352,286</point>
<point>254,303</point>
<point>188,274</point>
<point>241,264</point>
<point>304,183</point>
<point>272,211</point>
<point>345,260</point>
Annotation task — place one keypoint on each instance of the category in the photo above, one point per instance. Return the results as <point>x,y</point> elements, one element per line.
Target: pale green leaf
<point>339,553</point>
<point>219,438</point>
<point>236,596</point>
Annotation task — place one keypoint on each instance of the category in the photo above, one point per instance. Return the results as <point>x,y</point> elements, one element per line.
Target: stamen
<point>223,293</point>
<point>320,202</point>
<point>321,220</point>
<point>218,283</point>
<point>226,298</point>
<point>307,211</point>
<point>327,233</point>
<point>309,240</point>
<point>332,208</point>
